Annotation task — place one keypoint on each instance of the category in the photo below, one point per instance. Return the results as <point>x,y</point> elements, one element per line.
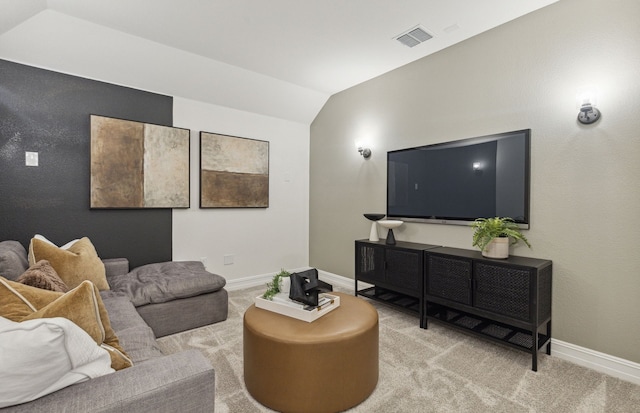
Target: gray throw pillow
<point>13,259</point>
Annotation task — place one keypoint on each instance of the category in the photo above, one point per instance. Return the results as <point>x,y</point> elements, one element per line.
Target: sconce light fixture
<point>477,166</point>
<point>588,113</point>
<point>365,152</point>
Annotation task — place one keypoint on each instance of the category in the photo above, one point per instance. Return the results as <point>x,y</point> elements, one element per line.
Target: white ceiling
<point>311,48</point>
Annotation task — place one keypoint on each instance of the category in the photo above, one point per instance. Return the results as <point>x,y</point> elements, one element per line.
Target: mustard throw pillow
<point>18,300</point>
<point>74,264</point>
<point>82,305</point>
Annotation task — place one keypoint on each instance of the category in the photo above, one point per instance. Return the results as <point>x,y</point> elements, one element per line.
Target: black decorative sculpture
<point>305,287</point>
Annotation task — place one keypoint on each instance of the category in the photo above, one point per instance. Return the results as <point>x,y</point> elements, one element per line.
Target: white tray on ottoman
<point>282,304</point>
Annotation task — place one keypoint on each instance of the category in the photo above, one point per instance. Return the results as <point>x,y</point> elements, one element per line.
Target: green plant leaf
<point>273,287</point>
<point>486,229</point>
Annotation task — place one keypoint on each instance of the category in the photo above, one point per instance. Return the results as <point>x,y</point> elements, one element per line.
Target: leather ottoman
<point>328,365</point>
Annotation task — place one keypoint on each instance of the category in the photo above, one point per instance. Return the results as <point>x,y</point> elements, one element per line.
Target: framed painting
<point>138,165</point>
<point>234,172</point>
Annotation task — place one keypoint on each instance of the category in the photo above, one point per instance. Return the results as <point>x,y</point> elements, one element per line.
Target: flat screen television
<point>460,181</point>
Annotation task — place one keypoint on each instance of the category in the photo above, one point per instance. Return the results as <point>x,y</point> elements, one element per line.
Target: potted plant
<point>494,236</point>
<point>279,283</point>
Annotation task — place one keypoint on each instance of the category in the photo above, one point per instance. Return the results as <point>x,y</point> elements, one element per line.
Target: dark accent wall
<point>48,112</point>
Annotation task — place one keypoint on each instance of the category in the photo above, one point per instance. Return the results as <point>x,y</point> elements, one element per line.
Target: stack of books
<point>282,304</point>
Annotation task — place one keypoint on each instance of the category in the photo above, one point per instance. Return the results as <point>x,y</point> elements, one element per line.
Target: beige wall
<point>585,195</point>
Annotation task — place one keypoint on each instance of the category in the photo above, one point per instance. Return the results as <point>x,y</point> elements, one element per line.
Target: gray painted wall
<point>48,112</point>
<point>525,74</point>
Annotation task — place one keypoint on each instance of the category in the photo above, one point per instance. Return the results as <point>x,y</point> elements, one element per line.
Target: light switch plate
<point>31,158</point>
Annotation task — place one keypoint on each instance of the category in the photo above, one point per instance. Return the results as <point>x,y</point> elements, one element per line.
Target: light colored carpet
<point>434,370</point>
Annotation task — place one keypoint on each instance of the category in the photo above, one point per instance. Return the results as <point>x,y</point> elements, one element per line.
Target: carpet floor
<point>434,370</point>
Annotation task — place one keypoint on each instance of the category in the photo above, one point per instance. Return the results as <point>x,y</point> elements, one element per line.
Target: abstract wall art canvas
<point>234,172</point>
<point>138,165</point>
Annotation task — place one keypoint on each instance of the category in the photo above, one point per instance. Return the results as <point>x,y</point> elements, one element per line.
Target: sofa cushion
<point>42,275</point>
<point>41,356</point>
<point>166,281</point>
<point>13,259</point>
<point>74,262</point>
<point>134,335</point>
<point>82,305</point>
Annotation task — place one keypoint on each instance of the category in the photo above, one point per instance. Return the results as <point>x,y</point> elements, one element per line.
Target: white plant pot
<point>285,285</point>
<point>497,248</point>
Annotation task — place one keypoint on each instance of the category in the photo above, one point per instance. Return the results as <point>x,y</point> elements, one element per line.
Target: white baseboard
<point>248,282</point>
<point>263,279</point>
<point>335,279</point>
<point>595,360</point>
<point>257,280</point>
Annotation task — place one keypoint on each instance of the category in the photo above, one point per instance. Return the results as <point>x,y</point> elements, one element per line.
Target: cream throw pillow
<point>74,262</point>
<point>41,356</point>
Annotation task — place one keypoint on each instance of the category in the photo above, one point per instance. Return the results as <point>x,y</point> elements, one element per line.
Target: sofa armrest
<point>178,382</point>
<point>116,266</point>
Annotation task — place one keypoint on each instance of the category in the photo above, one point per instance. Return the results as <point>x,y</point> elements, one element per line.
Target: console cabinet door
<point>502,290</point>
<point>404,270</point>
<point>371,265</point>
<point>449,278</point>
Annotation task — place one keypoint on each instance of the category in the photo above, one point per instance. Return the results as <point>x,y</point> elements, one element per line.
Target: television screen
<point>457,182</point>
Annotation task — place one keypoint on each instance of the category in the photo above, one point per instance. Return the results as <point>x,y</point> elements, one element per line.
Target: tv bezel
<point>524,224</point>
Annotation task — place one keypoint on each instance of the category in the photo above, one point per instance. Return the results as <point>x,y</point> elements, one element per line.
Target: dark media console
<point>507,301</point>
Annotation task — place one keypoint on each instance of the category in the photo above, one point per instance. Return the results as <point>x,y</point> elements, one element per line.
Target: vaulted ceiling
<point>281,58</point>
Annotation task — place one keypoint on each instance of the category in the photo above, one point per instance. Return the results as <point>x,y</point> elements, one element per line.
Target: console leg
<point>534,351</point>
<point>549,335</point>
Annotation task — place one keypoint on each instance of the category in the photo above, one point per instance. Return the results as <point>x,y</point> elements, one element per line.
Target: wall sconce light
<point>588,113</point>
<point>477,166</point>
<point>365,152</point>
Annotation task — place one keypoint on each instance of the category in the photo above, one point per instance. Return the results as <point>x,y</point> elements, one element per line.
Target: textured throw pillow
<point>74,262</point>
<point>42,275</point>
<point>41,356</point>
<point>82,305</point>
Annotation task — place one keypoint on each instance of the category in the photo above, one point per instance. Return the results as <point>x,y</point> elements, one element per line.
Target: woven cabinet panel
<point>449,278</point>
<point>502,290</point>
<point>404,269</point>
<point>370,262</point>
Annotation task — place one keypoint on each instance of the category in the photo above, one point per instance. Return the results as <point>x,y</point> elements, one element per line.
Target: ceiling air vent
<point>414,37</point>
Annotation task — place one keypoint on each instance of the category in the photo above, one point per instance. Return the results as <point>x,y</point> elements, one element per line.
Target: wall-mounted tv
<point>460,181</point>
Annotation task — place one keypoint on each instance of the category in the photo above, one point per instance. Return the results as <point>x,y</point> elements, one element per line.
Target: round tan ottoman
<point>328,365</point>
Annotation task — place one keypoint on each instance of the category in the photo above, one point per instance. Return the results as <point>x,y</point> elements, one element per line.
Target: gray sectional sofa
<point>171,296</point>
<point>148,302</point>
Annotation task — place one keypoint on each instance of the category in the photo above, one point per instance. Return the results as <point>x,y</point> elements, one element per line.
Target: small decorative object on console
<point>494,236</point>
<point>373,234</point>
<point>390,224</point>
